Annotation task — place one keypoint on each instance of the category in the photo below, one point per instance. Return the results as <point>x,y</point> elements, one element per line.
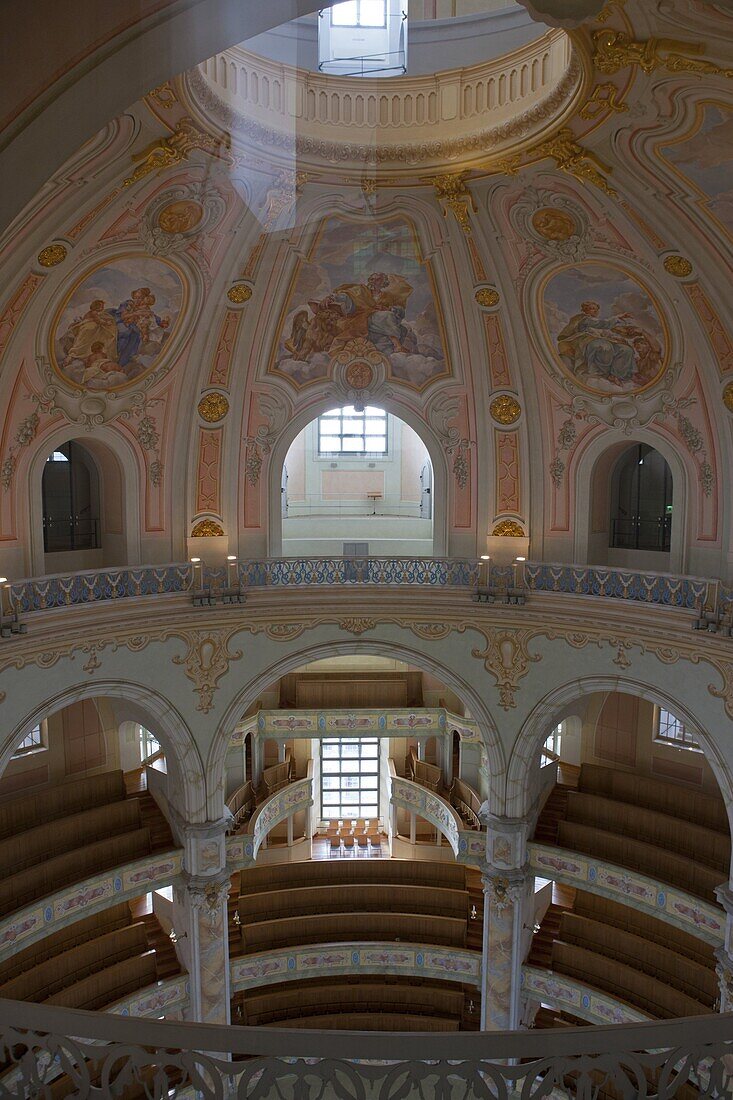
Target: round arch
<point>558,703</point>
<point>595,466</point>
<point>441,480</point>
<point>185,769</point>
<point>217,753</point>
<point>119,491</point>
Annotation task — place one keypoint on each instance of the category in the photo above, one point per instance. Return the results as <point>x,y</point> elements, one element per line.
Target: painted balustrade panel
<point>339,722</point>
<point>561,992</point>
<point>243,848</point>
<point>328,959</point>
<point>302,1065</point>
<point>91,586</point>
<point>155,1000</point>
<point>49,914</point>
<point>691,914</point>
<point>411,796</point>
<point>622,584</point>
<point>286,572</point>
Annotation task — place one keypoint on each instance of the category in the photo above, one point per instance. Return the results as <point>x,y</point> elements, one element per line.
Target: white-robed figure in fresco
<point>602,347</point>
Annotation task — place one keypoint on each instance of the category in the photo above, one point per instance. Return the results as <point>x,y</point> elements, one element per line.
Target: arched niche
<point>596,475</point>
<point>114,472</point>
<point>439,470</point>
<point>130,703</point>
<point>473,701</point>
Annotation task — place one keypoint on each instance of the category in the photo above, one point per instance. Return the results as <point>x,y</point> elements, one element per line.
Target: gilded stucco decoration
<point>728,397</point>
<point>552,222</point>
<point>507,658</point>
<point>25,433</point>
<point>616,50</point>
<point>207,529</point>
<point>604,97</point>
<point>357,624</point>
<point>239,293</point>
<point>571,157</point>
<point>454,195</point>
<point>178,215</point>
<point>213,407</point>
<point>487,297</point>
<point>175,149</point>
<point>508,528</point>
<point>505,409</point>
<point>679,266</point>
<point>52,255</point>
<point>206,660</point>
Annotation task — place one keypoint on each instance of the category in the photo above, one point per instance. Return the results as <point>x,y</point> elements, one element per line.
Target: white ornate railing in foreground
<point>111,1053</point>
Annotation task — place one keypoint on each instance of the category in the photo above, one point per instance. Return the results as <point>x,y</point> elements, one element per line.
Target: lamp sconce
<point>174,937</point>
<point>237,919</point>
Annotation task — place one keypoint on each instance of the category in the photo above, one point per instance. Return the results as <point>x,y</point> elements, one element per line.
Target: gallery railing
<point>462,574</point>
<point>110,1054</point>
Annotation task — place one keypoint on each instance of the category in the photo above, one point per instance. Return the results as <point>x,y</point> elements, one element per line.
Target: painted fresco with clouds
<point>605,329</point>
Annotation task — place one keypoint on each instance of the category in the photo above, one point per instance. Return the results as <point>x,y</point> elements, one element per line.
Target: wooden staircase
<point>553,812</point>
<point>166,960</point>
<point>152,817</point>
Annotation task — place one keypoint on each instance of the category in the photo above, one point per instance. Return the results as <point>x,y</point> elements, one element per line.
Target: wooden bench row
<point>638,855</point>
<point>340,927</point>
<point>24,811</point>
<point>45,878</point>
<point>53,838</point>
<point>655,794</point>
<point>627,983</point>
<point>104,987</point>
<point>372,1021</point>
<point>663,830</point>
<point>663,963</point>
<point>88,928</point>
<point>262,1009</point>
<point>401,872</point>
<point>647,927</point>
<point>47,978</point>
<point>365,898</point>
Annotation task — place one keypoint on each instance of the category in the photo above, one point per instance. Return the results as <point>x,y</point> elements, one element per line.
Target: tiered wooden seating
<point>111,984</point>
<point>290,1001</point>
<point>372,1021</point>
<point>464,799</point>
<point>366,898</point>
<point>70,797</point>
<point>109,920</point>
<point>275,778</point>
<point>427,775</point>
<point>342,927</point>
<point>643,790</point>
<point>402,872</point>
<point>241,804</point>
<point>625,982</point>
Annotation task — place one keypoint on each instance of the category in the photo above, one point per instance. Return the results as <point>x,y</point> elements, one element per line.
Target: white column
<point>724,954</point>
<point>507,886</point>
<point>290,831</point>
<point>413,827</point>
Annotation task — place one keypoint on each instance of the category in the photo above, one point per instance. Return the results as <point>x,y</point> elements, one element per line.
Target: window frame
<point>38,744</point>
<point>370,412</point>
<point>662,726</point>
<point>358,23</point>
<point>345,812</point>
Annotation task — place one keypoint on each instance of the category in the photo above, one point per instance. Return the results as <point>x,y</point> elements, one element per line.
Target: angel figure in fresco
<point>612,348</point>
<point>374,310</point>
<point>95,326</point>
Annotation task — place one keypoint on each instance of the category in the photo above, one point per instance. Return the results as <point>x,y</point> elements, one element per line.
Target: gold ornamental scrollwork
<point>52,255</point>
<point>508,528</point>
<point>679,266</point>
<point>207,529</point>
<point>356,625</point>
<point>487,297</point>
<point>571,157</point>
<point>454,195</point>
<point>604,97</point>
<point>505,409</point>
<point>213,407</point>
<point>239,293</point>
<point>617,50</point>
<point>205,662</point>
<point>507,658</point>
<point>728,397</point>
<point>175,149</point>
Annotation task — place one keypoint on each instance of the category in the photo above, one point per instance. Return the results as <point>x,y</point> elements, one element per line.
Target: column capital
<point>204,847</point>
<point>506,841</point>
<point>724,973</point>
<point>504,888</point>
<point>206,895</point>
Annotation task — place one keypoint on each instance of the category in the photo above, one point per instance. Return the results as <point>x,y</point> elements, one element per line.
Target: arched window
<point>70,489</point>
<point>641,501</point>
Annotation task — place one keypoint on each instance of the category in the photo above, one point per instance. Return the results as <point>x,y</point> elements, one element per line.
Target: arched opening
<point>71,511</point>
<point>641,502</point>
<point>357,481</point>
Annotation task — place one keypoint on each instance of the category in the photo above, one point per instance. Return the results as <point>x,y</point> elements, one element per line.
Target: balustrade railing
<point>109,1054</point>
<point>461,574</point>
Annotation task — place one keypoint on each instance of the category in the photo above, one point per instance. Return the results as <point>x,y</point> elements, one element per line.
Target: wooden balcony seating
<point>63,799</point>
<point>364,898</point>
<point>427,775</point>
<point>628,983</point>
<point>52,838</point>
<point>109,920</point>
<point>660,962</point>
<point>638,855</point>
<point>241,804</point>
<point>464,799</point>
<point>372,1021</point>
<point>401,872</point>
<point>263,1008</point>
<point>49,977</point>
<point>661,829</point>
<point>36,882</point>
<point>342,927</point>
<point>104,987</point>
<point>276,777</point>
<point>648,928</point>
<point>656,794</point>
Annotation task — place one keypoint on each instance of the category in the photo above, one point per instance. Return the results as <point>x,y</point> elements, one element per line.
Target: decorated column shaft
<point>506,884</point>
<point>201,923</point>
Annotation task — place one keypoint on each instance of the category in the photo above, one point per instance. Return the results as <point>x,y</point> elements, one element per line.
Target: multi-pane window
<point>32,740</point>
<point>149,745</point>
<point>348,432</point>
<point>671,730</point>
<point>350,777</point>
<point>359,13</point>
<point>553,742</point>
